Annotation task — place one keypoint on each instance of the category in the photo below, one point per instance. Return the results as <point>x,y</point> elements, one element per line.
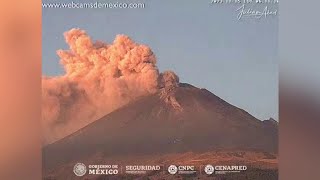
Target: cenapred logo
<point>209,169</point>
<point>79,169</point>
<point>172,169</point>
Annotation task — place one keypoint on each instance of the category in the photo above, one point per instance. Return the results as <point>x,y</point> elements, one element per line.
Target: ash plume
<point>99,78</point>
<point>168,81</point>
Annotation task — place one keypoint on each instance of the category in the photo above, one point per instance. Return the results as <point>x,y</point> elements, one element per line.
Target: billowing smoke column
<point>98,79</point>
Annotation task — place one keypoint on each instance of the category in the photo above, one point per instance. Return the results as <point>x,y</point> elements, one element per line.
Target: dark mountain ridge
<point>174,120</point>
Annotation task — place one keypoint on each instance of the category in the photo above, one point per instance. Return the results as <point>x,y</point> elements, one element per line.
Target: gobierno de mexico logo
<point>79,169</point>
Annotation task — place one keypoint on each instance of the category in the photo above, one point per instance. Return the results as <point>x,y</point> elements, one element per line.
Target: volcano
<point>176,119</point>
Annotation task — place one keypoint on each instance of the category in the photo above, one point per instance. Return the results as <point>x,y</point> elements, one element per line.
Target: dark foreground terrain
<point>261,166</point>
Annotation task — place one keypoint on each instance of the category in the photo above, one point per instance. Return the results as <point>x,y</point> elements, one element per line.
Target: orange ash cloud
<point>98,79</point>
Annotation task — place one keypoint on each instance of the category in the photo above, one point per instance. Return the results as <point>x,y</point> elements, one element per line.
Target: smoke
<point>168,79</point>
<point>98,79</point>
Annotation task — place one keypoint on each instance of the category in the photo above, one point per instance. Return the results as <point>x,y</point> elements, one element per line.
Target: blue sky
<point>204,44</point>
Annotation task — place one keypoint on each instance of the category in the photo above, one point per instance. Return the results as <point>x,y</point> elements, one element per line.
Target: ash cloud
<point>99,78</point>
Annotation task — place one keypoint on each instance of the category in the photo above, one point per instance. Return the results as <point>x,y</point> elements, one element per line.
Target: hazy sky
<point>204,44</point>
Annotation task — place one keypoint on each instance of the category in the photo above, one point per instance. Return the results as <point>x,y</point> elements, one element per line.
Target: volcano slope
<point>174,120</point>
